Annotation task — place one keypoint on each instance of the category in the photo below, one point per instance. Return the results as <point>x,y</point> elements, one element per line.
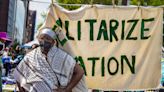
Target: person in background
<point>16,52</point>
<point>11,51</point>
<point>2,45</point>
<point>6,60</point>
<point>49,69</point>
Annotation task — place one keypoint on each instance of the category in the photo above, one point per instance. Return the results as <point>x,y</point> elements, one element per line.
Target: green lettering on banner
<point>102,67</point>
<point>132,67</point>
<point>79,30</point>
<point>143,29</point>
<point>117,65</point>
<point>81,63</point>
<point>93,59</point>
<point>62,42</point>
<point>67,32</point>
<point>103,30</point>
<point>59,22</point>
<point>91,22</point>
<point>132,29</point>
<point>113,29</point>
<point>54,27</point>
<point>123,29</point>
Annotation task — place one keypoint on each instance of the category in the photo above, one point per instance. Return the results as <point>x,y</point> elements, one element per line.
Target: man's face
<point>46,42</point>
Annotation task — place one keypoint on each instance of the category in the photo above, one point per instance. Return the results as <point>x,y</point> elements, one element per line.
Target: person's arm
<point>21,89</point>
<point>76,77</point>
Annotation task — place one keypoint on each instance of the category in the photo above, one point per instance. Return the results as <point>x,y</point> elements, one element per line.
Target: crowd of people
<point>11,57</point>
<point>58,73</point>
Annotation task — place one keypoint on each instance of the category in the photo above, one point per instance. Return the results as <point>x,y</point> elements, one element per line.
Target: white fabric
<point>110,39</point>
<point>42,75</point>
<point>49,32</point>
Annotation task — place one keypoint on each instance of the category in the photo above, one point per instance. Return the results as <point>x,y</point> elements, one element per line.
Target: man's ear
<point>54,41</point>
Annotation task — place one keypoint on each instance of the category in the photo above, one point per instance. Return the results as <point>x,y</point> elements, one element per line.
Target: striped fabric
<point>38,74</point>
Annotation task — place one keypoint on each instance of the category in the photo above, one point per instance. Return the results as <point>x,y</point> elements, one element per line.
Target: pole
<point>124,2</point>
<point>25,20</point>
<point>52,1</point>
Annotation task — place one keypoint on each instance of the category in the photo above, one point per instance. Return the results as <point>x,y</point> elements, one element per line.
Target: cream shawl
<point>36,74</point>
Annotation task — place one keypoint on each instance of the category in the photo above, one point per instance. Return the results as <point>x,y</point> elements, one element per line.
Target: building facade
<point>11,17</point>
<point>13,14</point>
<point>4,15</point>
<point>30,28</point>
<point>20,22</point>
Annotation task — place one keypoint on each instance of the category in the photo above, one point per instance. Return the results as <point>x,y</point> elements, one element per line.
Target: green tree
<point>108,2</point>
<point>104,2</point>
<point>147,2</point>
<point>155,2</point>
<point>72,2</point>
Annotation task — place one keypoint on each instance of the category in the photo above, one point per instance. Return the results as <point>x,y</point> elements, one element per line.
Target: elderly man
<point>49,69</point>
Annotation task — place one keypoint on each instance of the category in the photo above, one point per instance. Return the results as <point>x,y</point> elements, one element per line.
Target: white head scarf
<point>49,32</point>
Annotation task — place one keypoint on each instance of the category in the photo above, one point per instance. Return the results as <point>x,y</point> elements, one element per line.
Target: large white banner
<point>118,47</point>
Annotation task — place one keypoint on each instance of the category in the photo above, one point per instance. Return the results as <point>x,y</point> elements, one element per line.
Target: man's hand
<point>76,77</point>
<point>62,90</point>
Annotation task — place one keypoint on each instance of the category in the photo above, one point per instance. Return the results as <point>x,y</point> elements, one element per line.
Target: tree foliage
<point>147,2</point>
<point>72,2</point>
<point>105,2</point>
<point>109,2</point>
